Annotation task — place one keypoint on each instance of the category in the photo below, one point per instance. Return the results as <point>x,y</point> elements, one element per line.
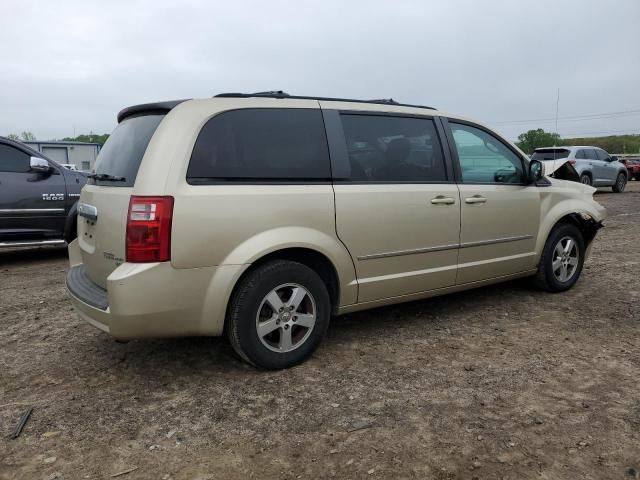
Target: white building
<point>81,154</point>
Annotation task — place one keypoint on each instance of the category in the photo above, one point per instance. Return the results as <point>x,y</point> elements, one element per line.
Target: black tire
<point>545,278</point>
<point>621,182</point>
<point>637,177</point>
<point>72,232</point>
<point>249,296</point>
<point>586,179</point>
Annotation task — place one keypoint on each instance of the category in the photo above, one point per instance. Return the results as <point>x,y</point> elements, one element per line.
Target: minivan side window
<point>485,159</point>
<point>393,149</point>
<point>13,160</point>
<point>602,155</point>
<point>581,154</point>
<point>261,144</point>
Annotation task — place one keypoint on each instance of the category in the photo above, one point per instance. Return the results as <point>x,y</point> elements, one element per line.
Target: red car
<point>633,167</point>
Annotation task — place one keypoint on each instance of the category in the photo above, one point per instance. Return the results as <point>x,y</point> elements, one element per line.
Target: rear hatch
<point>101,238</point>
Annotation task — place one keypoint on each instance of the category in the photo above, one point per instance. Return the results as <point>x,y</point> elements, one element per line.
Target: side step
<point>31,243</point>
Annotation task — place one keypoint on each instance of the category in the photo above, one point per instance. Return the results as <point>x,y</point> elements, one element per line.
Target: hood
<point>577,187</point>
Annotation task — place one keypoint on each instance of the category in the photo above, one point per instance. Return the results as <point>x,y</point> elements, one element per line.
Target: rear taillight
<point>572,162</point>
<point>149,229</point>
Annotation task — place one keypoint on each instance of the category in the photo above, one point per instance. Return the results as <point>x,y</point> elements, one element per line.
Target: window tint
<point>602,155</point>
<point>122,153</point>
<point>484,158</point>
<point>550,154</point>
<point>581,154</point>
<point>388,149</point>
<point>590,154</point>
<point>284,144</point>
<point>13,160</point>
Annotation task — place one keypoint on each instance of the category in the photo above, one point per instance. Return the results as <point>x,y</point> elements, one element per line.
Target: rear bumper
<point>152,299</point>
<point>81,287</point>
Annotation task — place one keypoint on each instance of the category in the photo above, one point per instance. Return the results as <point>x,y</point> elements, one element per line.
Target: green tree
<point>88,137</point>
<point>533,139</point>
<point>28,137</point>
<point>612,143</point>
<point>13,136</point>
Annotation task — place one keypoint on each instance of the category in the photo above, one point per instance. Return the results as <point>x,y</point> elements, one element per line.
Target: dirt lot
<point>500,382</point>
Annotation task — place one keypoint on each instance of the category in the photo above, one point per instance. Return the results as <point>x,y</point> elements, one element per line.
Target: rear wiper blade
<point>106,177</point>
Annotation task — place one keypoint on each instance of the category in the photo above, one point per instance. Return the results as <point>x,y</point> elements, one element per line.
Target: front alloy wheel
<point>566,258</point>
<point>562,259</point>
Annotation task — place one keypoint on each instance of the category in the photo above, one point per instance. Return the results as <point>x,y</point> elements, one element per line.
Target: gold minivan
<point>262,215</point>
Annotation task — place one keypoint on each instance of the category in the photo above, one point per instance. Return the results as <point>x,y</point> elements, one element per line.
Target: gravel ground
<point>500,382</point>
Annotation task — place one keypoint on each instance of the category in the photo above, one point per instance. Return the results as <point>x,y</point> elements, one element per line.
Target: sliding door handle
<point>441,200</point>
<point>475,199</point>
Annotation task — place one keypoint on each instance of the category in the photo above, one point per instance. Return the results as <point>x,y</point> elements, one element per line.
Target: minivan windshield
<point>550,154</point>
<point>122,153</point>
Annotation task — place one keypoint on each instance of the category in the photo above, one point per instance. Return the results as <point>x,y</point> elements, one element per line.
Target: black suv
<point>38,197</point>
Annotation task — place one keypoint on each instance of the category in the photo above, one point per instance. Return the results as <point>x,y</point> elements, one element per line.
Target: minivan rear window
<point>281,144</point>
<point>550,154</point>
<point>124,149</point>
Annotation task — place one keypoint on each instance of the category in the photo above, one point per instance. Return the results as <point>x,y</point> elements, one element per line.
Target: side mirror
<point>536,170</point>
<point>39,165</point>
<point>613,158</point>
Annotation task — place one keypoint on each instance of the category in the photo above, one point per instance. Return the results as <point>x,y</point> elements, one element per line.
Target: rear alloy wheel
<point>278,315</point>
<point>585,179</point>
<point>562,259</point>
<point>621,182</point>
<point>286,318</point>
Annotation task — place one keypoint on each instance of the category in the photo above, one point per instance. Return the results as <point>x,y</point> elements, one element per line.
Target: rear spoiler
<point>157,108</point>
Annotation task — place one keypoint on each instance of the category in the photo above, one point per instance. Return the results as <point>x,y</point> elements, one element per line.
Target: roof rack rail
<point>390,101</point>
<point>282,94</point>
<point>269,93</point>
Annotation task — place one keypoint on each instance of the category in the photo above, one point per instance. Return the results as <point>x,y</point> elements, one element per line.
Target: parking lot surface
<point>499,382</point>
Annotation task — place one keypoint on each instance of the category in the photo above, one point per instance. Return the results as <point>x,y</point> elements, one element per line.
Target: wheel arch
<point>584,220</point>
<point>321,252</point>
<point>585,223</point>
<point>315,260</point>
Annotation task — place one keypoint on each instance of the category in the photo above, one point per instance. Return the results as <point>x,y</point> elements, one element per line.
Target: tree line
<point>529,141</point>
<point>85,137</point>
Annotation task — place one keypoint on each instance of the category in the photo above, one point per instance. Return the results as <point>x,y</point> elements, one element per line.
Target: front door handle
<point>441,200</point>
<point>475,199</point>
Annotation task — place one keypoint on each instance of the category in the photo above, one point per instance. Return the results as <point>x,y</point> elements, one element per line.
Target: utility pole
<point>557,105</point>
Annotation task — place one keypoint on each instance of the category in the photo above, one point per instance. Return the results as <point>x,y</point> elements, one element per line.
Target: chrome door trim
<point>440,248</point>
<point>31,243</point>
<point>494,241</point>
<point>30,210</point>
<point>414,251</point>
